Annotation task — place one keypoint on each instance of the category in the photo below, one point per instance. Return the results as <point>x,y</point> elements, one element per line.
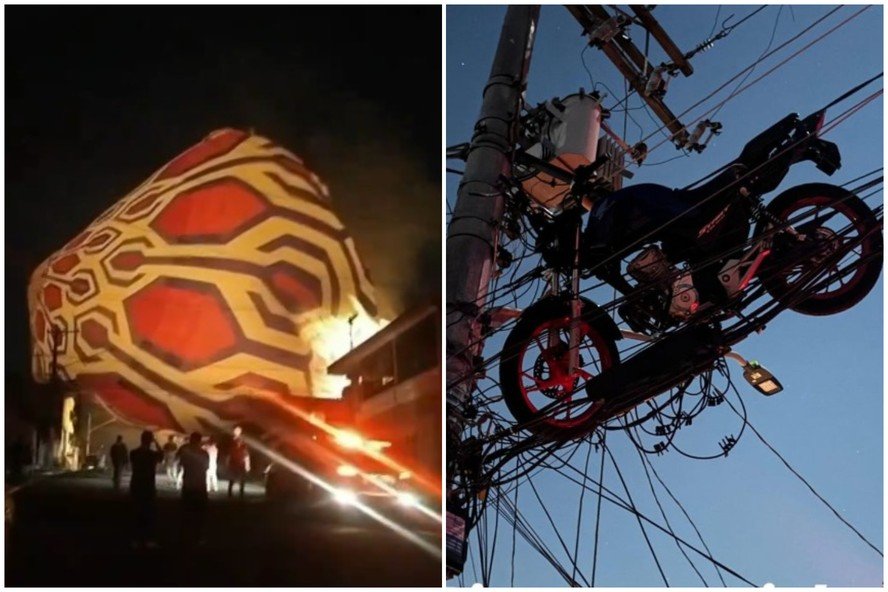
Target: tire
<point>852,210</point>
<point>554,314</point>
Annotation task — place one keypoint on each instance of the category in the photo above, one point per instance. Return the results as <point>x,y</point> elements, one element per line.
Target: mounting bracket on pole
<point>630,61</point>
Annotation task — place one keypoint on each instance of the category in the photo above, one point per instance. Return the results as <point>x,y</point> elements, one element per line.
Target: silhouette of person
<point>238,462</point>
<point>16,459</point>
<point>212,471</point>
<point>194,462</point>
<point>143,490</point>
<point>119,459</point>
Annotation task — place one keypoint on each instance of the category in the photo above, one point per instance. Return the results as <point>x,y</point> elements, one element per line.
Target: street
<point>74,530</point>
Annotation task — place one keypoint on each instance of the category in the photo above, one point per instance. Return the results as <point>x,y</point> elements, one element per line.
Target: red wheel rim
<point>538,391</point>
<point>864,247</point>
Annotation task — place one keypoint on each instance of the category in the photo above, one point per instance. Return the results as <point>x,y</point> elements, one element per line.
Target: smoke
<point>382,189</point>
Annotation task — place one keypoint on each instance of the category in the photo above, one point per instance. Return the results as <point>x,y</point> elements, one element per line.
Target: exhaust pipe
<point>656,369</point>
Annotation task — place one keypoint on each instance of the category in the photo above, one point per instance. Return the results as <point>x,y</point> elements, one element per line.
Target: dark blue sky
<point>754,514</point>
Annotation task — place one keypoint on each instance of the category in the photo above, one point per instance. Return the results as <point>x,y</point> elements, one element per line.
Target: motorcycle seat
<point>723,185</point>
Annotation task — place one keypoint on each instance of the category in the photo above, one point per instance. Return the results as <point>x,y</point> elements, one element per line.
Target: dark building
<point>395,390</point>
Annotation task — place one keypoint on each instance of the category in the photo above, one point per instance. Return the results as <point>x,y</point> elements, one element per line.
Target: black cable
<point>554,528</point>
<point>598,511</point>
<point>807,484</point>
<point>665,519</point>
<point>638,517</point>
<point>650,164</point>
<point>760,58</point>
<point>754,64</point>
<point>512,568</point>
<point>614,499</point>
<point>863,176</point>
<point>853,90</point>
<point>682,508</point>
<point>513,517</point>
<point>576,552</point>
<point>714,22</point>
<point>745,18</point>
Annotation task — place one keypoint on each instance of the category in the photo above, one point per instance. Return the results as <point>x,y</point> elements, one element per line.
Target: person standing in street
<point>170,464</point>
<point>143,489</point>
<point>119,460</point>
<point>238,462</point>
<point>194,462</point>
<point>212,471</point>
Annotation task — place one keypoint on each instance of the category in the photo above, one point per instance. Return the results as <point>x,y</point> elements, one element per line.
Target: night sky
<point>98,98</point>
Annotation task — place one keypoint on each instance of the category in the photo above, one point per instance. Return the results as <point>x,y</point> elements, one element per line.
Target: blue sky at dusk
<point>754,514</point>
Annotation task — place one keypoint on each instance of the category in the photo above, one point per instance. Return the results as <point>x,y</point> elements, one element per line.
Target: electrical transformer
<point>567,137</point>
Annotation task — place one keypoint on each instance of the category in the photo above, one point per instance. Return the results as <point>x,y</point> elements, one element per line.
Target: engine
<point>651,268</point>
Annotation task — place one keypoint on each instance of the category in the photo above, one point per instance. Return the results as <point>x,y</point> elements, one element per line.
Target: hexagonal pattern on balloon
<point>208,295</point>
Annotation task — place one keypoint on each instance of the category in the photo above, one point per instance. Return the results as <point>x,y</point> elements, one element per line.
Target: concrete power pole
<point>473,230</point>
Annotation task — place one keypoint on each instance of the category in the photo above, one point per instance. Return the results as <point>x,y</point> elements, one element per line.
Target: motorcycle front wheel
<point>537,388</point>
<point>841,234</point>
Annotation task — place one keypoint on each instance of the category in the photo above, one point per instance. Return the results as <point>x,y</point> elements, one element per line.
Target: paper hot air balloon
<point>217,292</point>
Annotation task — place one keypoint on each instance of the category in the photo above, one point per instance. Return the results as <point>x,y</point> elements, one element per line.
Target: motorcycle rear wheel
<point>856,273</point>
<point>533,370</point>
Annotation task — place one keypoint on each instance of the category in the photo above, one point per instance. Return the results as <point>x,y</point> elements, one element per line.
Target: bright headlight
<point>346,497</point>
<point>346,471</point>
<point>405,498</point>
<point>348,439</point>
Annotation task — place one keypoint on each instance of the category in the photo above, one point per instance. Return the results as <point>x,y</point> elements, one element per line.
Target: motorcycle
<point>715,270</point>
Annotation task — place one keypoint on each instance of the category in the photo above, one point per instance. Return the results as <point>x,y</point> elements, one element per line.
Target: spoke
<point>536,383</point>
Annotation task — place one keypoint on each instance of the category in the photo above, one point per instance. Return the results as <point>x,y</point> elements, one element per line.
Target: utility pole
<point>473,232</point>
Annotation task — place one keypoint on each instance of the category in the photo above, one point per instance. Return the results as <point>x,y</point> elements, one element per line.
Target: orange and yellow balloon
<point>217,292</point>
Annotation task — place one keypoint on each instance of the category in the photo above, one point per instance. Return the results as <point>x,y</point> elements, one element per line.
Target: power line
<point>740,90</point>
<point>690,521</point>
<point>609,496</point>
<point>807,484</point>
<point>745,70</point>
<point>598,511</point>
<point>552,523</point>
<point>576,552</point>
<point>748,74</point>
<point>665,519</point>
<point>637,516</point>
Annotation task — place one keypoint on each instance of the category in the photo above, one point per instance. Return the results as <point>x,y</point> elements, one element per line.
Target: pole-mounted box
<point>565,135</point>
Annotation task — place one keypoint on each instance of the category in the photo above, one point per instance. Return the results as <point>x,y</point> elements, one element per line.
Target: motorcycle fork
<point>576,307</point>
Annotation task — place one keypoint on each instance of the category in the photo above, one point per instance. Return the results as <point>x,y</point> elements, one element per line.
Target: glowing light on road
<point>405,498</point>
<point>347,471</point>
<point>352,438</point>
<point>346,497</point>
<point>349,440</point>
<point>436,516</point>
<point>423,544</point>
